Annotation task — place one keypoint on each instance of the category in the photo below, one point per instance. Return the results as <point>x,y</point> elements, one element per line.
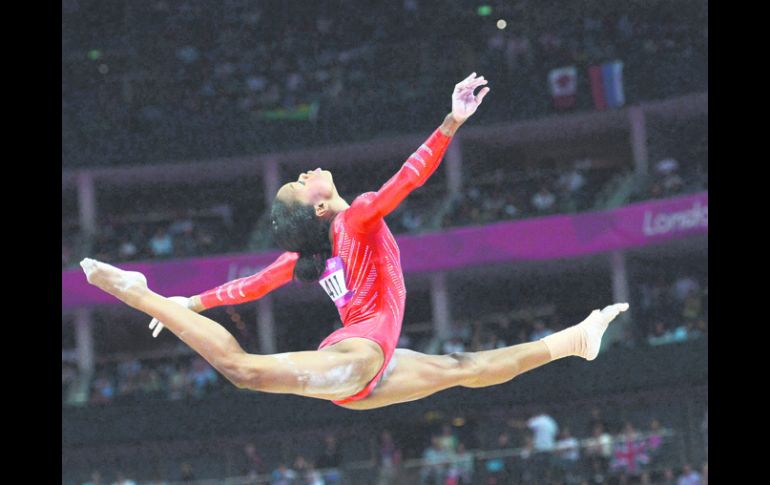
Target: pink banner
<point>553,237</point>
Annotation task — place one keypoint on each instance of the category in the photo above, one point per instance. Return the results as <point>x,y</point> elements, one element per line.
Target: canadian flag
<point>563,83</point>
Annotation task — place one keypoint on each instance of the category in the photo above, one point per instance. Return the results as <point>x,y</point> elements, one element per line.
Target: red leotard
<point>371,258</point>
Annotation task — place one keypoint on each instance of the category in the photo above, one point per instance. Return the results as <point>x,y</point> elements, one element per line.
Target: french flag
<point>607,85</point>
<point>563,84</point>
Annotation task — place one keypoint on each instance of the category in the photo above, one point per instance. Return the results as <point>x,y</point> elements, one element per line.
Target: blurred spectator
<point>388,460</point>
<point>669,477</point>
<point>630,452</point>
<point>202,376</point>
<point>283,475</point>
<point>161,244</point>
<point>543,200</point>
<point>433,471</point>
<point>689,476</point>
<point>179,384</point>
<point>497,471</point>
<point>96,479</point>
<point>254,462</point>
<point>447,440</point>
<point>461,469</point>
<point>544,429</point>
<point>330,460</point>
<point>127,250</point>
<point>122,480</point>
<point>69,376</point>
<point>683,287</point>
<point>596,419</point>
<point>103,390</point>
<point>654,439</point>
<point>567,451</point>
<point>306,471</point>
<point>454,344</point>
<point>530,465</point>
<point>597,449</point>
<point>570,185</point>
<point>692,307</point>
<point>539,330</point>
<point>704,428</point>
<point>186,472</point>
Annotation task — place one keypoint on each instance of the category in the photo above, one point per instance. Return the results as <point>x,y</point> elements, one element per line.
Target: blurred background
<point>582,180</point>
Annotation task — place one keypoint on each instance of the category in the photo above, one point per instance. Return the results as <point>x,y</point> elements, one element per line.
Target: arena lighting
<point>501,24</point>
<point>484,10</point>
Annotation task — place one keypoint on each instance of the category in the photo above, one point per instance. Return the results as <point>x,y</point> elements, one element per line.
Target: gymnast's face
<point>311,188</point>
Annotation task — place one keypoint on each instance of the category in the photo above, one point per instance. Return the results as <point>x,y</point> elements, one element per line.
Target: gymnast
<point>349,250</point>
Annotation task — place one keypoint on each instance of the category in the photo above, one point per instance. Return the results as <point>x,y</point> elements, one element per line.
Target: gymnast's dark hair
<point>296,228</point>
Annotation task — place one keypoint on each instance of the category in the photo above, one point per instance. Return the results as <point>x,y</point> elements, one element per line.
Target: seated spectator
<point>447,440</point>
<point>597,450</point>
<point>543,200</point>
<point>388,459</point>
<point>186,473</point>
<point>539,330</point>
<point>127,250</point>
<point>630,452</point>
<point>454,344</point>
<point>283,475</point>
<point>254,462</point>
<point>655,443</point>
<point>330,460</point>
<point>122,480</point>
<point>161,244</point>
<point>306,471</point>
<point>567,451</point>
<point>497,470</point>
<point>103,390</point>
<point>688,476</point>
<point>461,469</point>
<point>202,376</point>
<point>433,471</point>
<point>96,479</point>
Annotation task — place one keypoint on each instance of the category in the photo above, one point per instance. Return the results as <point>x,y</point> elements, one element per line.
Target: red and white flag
<point>563,83</point>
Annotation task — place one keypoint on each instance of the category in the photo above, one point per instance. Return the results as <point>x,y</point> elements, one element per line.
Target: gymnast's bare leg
<point>336,372</point>
<point>413,375</point>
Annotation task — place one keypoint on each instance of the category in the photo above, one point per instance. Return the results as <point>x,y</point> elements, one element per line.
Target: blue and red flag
<point>607,85</point>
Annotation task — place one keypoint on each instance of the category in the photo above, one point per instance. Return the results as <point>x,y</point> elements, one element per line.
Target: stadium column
<point>87,203</point>
<point>266,325</point>
<point>265,321</point>
<point>271,180</point>
<point>84,340</point>
<point>638,123</point>
<point>439,298</point>
<point>454,166</point>
<point>620,293</point>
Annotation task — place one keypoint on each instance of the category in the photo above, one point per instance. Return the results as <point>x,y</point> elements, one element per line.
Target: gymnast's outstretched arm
<point>239,291</point>
<point>422,163</point>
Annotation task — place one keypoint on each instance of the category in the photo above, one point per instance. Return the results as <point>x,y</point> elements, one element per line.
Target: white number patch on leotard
<point>333,282</point>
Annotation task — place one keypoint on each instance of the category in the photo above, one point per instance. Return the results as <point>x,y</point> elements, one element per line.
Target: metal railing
<point>476,466</point>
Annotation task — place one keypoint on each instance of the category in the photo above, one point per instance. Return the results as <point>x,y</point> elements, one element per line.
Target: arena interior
<point>581,181</point>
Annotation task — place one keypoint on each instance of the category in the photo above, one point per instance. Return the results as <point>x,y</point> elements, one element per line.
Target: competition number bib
<point>333,282</point>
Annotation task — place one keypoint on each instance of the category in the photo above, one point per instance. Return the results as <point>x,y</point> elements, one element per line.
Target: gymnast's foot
<point>594,326</point>
<point>127,286</point>
<point>585,338</point>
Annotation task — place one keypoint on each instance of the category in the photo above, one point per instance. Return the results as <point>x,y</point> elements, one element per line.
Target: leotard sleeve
<point>368,211</point>
<point>252,287</point>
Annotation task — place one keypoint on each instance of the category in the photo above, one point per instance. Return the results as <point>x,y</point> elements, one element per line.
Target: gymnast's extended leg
<point>336,372</point>
<point>414,375</point>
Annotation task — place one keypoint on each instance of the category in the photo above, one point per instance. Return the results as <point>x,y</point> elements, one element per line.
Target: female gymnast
<point>350,251</point>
